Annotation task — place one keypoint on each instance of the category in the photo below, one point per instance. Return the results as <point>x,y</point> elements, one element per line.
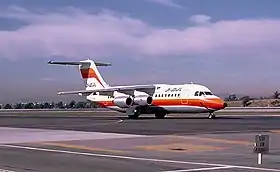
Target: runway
<point>103,141</point>
<point>146,124</point>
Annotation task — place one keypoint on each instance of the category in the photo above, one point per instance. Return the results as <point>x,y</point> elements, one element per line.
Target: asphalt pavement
<point>110,142</point>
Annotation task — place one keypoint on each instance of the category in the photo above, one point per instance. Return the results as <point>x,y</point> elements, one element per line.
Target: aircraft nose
<point>225,105</point>
<point>221,104</point>
<point>216,104</point>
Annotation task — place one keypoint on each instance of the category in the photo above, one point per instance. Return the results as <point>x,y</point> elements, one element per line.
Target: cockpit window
<point>201,93</point>
<point>208,93</point>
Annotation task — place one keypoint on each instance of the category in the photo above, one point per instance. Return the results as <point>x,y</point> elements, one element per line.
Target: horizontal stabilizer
<point>77,63</point>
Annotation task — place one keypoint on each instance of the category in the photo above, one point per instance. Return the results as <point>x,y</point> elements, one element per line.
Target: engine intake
<point>123,102</point>
<point>143,100</point>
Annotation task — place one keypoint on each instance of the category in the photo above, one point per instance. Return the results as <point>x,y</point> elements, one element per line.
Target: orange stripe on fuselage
<point>213,103</point>
<point>90,73</point>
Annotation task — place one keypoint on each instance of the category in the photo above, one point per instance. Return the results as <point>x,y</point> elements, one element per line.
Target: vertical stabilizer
<point>91,76</point>
<point>89,72</point>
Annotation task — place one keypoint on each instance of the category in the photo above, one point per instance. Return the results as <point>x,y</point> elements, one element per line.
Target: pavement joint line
<point>137,158</point>
<point>201,169</point>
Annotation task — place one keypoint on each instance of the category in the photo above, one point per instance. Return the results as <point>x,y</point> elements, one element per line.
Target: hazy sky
<point>229,46</point>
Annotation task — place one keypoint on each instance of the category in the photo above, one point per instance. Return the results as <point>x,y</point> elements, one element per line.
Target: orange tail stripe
<point>90,73</point>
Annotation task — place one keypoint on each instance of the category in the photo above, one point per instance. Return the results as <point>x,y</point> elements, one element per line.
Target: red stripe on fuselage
<point>213,103</point>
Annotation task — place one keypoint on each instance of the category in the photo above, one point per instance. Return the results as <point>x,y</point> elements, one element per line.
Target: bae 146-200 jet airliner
<point>158,99</point>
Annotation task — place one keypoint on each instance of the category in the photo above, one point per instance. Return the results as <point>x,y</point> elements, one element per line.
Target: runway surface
<point>110,142</point>
<point>147,125</point>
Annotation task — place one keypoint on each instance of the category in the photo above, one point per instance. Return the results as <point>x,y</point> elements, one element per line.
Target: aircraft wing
<point>149,89</point>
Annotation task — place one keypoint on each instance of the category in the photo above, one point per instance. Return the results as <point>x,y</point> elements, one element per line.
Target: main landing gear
<point>133,112</point>
<point>160,115</point>
<point>211,115</point>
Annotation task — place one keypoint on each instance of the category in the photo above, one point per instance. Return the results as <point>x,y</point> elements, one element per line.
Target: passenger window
<point>196,93</point>
<point>168,95</point>
<point>156,95</point>
<point>171,95</point>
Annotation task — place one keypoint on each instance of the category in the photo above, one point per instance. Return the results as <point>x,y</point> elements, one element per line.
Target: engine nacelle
<point>123,102</point>
<point>143,100</point>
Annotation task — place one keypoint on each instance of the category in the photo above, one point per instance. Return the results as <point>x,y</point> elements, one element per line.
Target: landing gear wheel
<point>212,116</point>
<point>160,115</point>
<point>135,114</point>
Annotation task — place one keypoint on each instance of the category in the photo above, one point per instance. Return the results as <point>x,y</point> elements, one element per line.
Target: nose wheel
<point>211,116</point>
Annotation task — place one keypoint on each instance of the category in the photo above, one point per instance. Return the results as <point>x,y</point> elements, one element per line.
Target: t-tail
<point>89,72</point>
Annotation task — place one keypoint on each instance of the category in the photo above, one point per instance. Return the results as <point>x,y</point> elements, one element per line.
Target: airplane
<point>134,100</point>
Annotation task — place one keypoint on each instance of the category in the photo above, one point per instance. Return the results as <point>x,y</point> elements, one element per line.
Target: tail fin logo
<point>91,85</point>
<point>90,73</point>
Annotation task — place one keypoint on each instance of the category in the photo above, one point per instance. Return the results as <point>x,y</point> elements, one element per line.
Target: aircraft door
<point>184,96</point>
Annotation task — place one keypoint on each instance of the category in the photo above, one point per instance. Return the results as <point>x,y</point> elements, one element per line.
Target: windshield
<point>201,93</point>
<point>208,93</point>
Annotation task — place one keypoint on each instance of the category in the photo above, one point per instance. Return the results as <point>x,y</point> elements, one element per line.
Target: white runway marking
<point>202,169</point>
<point>138,158</point>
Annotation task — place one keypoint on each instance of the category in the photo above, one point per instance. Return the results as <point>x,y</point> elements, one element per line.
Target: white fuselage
<point>185,98</point>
